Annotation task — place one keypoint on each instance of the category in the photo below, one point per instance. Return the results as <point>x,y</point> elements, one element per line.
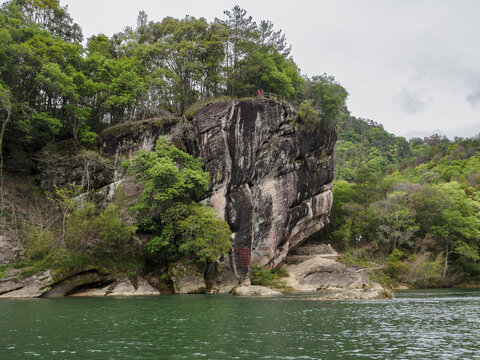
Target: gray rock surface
<point>124,140</point>
<point>187,278</point>
<point>375,292</point>
<point>10,250</point>
<point>220,278</point>
<point>75,281</point>
<point>28,287</point>
<point>255,290</point>
<point>321,272</point>
<point>271,177</point>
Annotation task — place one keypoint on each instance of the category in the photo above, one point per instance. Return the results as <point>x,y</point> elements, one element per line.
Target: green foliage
<point>327,95</point>
<point>419,197</point>
<point>191,231</point>
<point>169,176</point>
<point>37,242</point>
<point>98,233</point>
<point>172,181</point>
<point>307,112</point>
<point>261,275</point>
<point>396,268</point>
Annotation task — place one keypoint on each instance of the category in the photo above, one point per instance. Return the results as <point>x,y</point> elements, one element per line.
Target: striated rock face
<point>270,177</point>
<point>30,287</point>
<point>124,140</point>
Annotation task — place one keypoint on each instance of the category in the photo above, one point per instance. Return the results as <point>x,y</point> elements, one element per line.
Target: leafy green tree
<point>242,31</point>
<point>397,219</point>
<point>327,95</point>
<point>172,181</point>
<point>191,231</point>
<point>459,226</point>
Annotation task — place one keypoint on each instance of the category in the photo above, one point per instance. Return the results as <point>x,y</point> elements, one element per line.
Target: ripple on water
<point>417,325</point>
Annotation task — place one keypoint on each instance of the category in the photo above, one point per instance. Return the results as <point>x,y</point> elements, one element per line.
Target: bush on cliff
<point>172,183</point>
<point>98,232</point>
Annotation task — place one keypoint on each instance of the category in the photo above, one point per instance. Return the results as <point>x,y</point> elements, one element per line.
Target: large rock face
<point>270,177</point>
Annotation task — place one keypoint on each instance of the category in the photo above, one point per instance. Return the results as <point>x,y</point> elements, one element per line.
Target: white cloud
<point>375,48</point>
<point>411,102</point>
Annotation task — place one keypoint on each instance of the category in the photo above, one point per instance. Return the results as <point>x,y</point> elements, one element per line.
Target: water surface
<point>427,324</point>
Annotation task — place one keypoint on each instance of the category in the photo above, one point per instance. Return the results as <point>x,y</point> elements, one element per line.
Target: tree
<point>459,226</point>
<point>241,33</point>
<point>172,183</point>
<point>6,110</point>
<point>271,39</point>
<point>328,96</point>
<point>397,219</point>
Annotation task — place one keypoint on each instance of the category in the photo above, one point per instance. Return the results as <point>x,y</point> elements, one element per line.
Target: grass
<point>3,269</point>
<point>63,263</point>
<point>260,275</point>
<point>375,271</point>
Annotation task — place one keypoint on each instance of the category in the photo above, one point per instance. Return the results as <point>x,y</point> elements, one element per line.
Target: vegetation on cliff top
<point>411,205</point>
<point>53,88</point>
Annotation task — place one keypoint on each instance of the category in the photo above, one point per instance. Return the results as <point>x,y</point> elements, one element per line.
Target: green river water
<point>426,324</point>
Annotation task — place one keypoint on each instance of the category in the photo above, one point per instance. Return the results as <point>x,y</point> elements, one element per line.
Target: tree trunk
<point>2,132</point>
<point>446,259</point>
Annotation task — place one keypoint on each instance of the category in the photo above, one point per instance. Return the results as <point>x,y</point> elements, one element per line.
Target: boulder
<point>320,273</point>
<point>220,278</point>
<point>187,277</point>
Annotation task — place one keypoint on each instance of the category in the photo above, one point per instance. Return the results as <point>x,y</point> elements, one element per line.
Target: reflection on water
<point>427,324</point>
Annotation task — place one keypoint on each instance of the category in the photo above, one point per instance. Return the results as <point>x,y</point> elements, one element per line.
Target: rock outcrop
<point>187,277</point>
<point>314,268</point>
<point>76,283</point>
<point>270,176</point>
<point>28,287</point>
<point>10,250</point>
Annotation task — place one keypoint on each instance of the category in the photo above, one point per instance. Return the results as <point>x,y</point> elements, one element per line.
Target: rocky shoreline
<point>312,269</point>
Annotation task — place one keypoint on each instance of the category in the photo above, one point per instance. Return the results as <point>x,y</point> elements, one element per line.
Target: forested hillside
<point>54,88</point>
<point>412,206</point>
<point>57,95</point>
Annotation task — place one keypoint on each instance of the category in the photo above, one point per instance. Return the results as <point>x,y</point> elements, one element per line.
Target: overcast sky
<point>411,65</point>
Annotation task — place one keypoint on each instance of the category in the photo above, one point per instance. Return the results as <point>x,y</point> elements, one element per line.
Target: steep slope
<point>270,176</point>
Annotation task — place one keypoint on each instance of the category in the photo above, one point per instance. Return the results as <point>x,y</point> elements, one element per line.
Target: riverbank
<point>310,268</point>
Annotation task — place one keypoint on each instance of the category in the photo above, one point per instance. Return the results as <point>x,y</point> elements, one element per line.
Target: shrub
<point>191,230</point>
<point>307,112</point>
<point>172,183</point>
<point>36,241</point>
<point>260,275</point>
<point>114,233</point>
<point>94,232</point>
<point>396,268</point>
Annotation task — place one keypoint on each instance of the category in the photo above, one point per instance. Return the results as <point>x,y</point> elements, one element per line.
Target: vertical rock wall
<point>270,177</point>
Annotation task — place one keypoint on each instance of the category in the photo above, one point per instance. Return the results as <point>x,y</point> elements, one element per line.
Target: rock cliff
<point>270,175</point>
<point>271,181</point>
